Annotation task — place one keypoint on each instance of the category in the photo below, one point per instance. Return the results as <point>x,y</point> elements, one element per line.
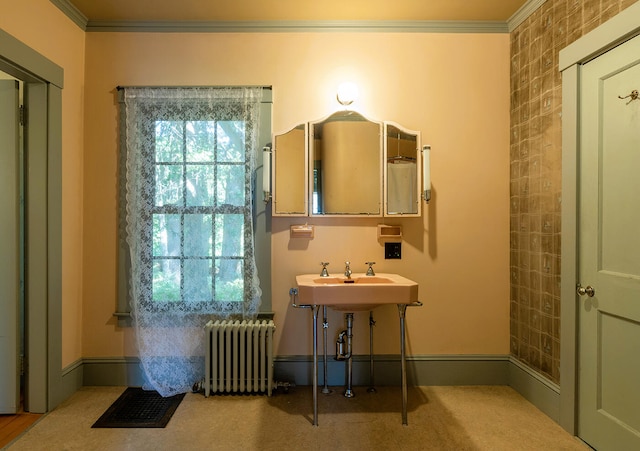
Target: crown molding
<point>375,26</point>
<point>72,12</point>
<point>523,13</point>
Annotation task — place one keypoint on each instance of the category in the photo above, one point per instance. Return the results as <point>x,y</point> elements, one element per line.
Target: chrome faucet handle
<point>370,270</point>
<point>347,270</point>
<point>324,272</point>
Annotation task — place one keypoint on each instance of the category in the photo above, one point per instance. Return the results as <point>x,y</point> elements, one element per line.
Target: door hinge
<point>22,115</point>
<point>22,369</point>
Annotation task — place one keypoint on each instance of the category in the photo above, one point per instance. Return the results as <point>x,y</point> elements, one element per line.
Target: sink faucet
<point>370,271</point>
<point>347,270</point>
<point>324,272</point>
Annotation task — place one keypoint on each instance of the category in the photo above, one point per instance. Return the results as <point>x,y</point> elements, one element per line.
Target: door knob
<point>588,290</point>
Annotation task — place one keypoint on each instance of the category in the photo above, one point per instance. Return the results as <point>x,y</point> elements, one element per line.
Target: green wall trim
<point>71,379</point>
<point>24,63</point>
<point>523,13</point>
<point>54,242</point>
<point>43,143</point>
<point>398,26</point>
<point>300,26</point>
<point>73,13</point>
<point>123,371</point>
<point>37,311</point>
<point>421,371</point>
<point>541,392</point>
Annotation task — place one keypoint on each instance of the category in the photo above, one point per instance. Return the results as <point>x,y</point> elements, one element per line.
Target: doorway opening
<point>12,125</point>
<point>42,80</point>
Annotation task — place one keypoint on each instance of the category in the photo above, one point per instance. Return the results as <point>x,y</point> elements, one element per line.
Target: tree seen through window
<point>198,212</point>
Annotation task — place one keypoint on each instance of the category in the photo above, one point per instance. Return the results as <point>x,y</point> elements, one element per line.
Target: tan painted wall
<point>452,87</point>
<point>41,26</point>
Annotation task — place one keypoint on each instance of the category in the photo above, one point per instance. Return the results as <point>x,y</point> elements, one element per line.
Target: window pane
<point>229,280</point>
<point>230,185</point>
<point>166,280</point>
<point>169,141</point>
<point>199,164</point>
<point>229,235</point>
<point>169,183</point>
<point>200,141</point>
<point>166,235</point>
<point>200,185</point>
<point>231,141</point>
<point>197,280</point>
<point>198,235</point>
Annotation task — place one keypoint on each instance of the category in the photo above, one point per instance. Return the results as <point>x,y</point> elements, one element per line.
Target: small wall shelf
<point>389,232</point>
<point>301,231</point>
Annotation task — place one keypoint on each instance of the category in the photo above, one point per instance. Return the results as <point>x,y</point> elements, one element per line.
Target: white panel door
<point>9,247</point>
<point>609,250</point>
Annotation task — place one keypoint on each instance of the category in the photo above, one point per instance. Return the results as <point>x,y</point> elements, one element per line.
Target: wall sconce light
<point>347,93</point>
<point>426,173</point>
<point>266,174</point>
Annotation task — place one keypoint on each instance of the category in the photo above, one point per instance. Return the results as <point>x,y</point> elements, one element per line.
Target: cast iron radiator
<point>239,357</point>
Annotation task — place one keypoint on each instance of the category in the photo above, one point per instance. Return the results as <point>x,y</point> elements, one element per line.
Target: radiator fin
<point>239,357</point>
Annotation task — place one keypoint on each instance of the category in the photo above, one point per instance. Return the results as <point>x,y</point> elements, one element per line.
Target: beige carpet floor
<point>440,418</point>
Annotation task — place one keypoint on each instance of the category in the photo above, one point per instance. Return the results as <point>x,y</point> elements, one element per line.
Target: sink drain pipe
<point>341,355</point>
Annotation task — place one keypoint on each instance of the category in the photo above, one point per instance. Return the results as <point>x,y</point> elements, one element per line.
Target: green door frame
<point>43,82</point>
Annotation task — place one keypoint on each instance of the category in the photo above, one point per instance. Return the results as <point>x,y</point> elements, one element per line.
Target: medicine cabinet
<point>290,181</point>
<point>346,165</point>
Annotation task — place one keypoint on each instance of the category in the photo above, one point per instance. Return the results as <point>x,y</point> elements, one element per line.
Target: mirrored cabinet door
<point>403,164</point>
<point>290,192</point>
<point>347,165</point>
<point>345,169</point>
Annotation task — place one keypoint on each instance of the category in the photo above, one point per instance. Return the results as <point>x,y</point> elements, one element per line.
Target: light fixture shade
<point>266,173</point>
<point>426,173</point>
<point>347,93</point>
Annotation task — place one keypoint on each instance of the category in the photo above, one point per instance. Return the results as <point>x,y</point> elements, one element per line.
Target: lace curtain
<point>190,159</point>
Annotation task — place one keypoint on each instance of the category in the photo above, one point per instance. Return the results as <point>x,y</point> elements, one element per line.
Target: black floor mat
<point>138,408</point>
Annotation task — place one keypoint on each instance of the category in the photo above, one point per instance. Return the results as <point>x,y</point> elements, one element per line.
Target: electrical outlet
<point>392,250</point>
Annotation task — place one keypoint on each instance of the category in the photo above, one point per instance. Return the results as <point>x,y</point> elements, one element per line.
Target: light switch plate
<point>392,250</point>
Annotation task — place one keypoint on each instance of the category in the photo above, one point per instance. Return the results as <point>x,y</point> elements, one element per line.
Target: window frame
<point>261,234</point>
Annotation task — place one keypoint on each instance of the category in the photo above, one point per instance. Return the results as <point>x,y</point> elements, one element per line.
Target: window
<point>199,214</point>
<point>190,158</point>
<point>188,164</point>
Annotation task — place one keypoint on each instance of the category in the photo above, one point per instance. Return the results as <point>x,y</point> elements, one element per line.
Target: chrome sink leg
<point>372,323</point>
<point>325,325</point>
<point>349,390</point>
<point>315,364</point>
<point>402,310</point>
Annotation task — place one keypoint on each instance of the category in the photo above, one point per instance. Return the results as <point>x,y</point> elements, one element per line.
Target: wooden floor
<point>12,426</point>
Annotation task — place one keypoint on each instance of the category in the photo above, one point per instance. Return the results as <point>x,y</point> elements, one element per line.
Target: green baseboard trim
<point>422,370</point>
<point>125,371</point>
<point>538,390</point>
<point>430,371</point>
<point>70,381</point>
